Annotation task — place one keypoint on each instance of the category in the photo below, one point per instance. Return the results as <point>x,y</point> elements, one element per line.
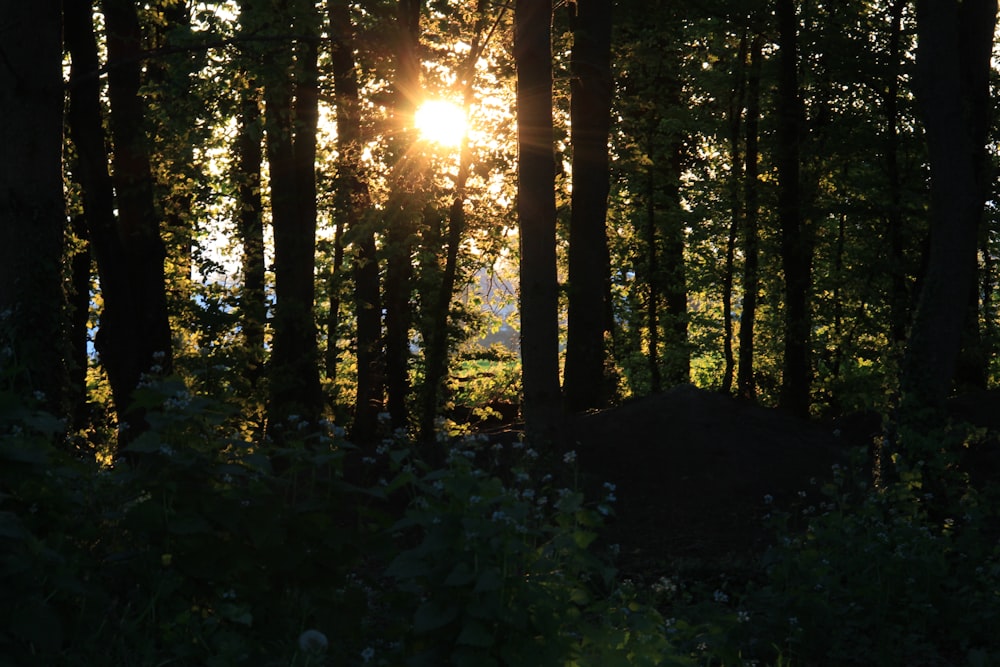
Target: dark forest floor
<point>692,469</point>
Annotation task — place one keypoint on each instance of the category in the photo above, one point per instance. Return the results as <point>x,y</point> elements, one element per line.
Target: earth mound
<point>692,469</point>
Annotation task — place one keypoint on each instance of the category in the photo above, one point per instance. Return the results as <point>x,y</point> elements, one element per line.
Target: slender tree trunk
<point>536,212</point>
<point>653,280</point>
<point>33,344</point>
<point>953,60</point>
<point>745,383</point>
<point>736,102</point>
<point>899,300</point>
<point>352,201</point>
<point>249,158</point>
<point>401,227</point>
<point>290,121</point>
<point>795,247</point>
<point>584,385</point>
<point>134,336</point>
<point>677,361</point>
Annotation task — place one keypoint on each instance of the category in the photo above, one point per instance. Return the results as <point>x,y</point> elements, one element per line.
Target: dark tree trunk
<point>401,227</point>
<point>536,212</point>
<point>652,280</point>
<point>249,157</point>
<point>745,383</point>
<point>899,299</point>
<point>677,360</point>
<point>796,253</point>
<point>953,60</point>
<point>290,99</point>
<point>736,102</point>
<point>134,336</point>
<point>33,342</point>
<point>584,384</point>
<point>352,201</point>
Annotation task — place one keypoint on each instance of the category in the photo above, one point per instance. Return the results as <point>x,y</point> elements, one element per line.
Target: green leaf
<point>10,526</point>
<point>475,633</point>
<point>433,614</point>
<point>489,580</point>
<point>460,575</point>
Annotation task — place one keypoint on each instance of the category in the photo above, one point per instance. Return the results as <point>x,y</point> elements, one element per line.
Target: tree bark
<point>796,252</point>
<point>290,99</point>
<point>536,212</point>
<point>745,382</point>
<point>400,232</point>
<point>591,87</point>
<point>249,158</point>
<point>736,102</point>
<point>33,343</point>
<point>134,336</point>
<point>952,85</point>
<point>352,201</point>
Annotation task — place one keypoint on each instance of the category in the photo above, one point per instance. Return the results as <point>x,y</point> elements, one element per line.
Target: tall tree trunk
<point>134,336</point>
<point>249,158</point>
<point>584,384</point>
<point>653,279</point>
<point>290,121</point>
<point>745,383</point>
<point>899,300</point>
<point>796,253</point>
<point>736,101</point>
<point>536,212</point>
<point>33,342</point>
<point>400,232</point>
<point>677,360</point>
<point>953,60</point>
<point>352,201</point>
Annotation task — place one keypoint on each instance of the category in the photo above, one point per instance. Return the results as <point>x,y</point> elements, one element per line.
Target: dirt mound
<point>693,467</point>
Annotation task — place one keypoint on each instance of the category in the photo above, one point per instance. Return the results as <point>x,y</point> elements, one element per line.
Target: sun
<point>441,122</point>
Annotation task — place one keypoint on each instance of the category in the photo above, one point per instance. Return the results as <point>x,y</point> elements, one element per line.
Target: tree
<point>796,250</point>
<point>953,58</point>
<point>353,200</point>
<point>32,303</point>
<point>536,213</point>
<point>588,292</point>
<point>134,336</point>
<point>291,114</point>
<point>745,383</point>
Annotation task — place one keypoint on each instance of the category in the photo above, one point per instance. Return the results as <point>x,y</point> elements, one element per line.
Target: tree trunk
<point>652,279</point>
<point>33,344</point>
<point>584,384</point>
<point>249,157</point>
<point>399,235</point>
<point>736,102</point>
<point>352,200</point>
<point>134,336</point>
<point>746,385</point>
<point>536,212</point>
<point>677,360</point>
<point>796,253</point>
<point>952,85</point>
<point>290,98</point>
<point>899,299</point>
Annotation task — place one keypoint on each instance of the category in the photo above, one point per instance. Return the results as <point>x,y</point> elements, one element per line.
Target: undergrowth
<point>199,551</point>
